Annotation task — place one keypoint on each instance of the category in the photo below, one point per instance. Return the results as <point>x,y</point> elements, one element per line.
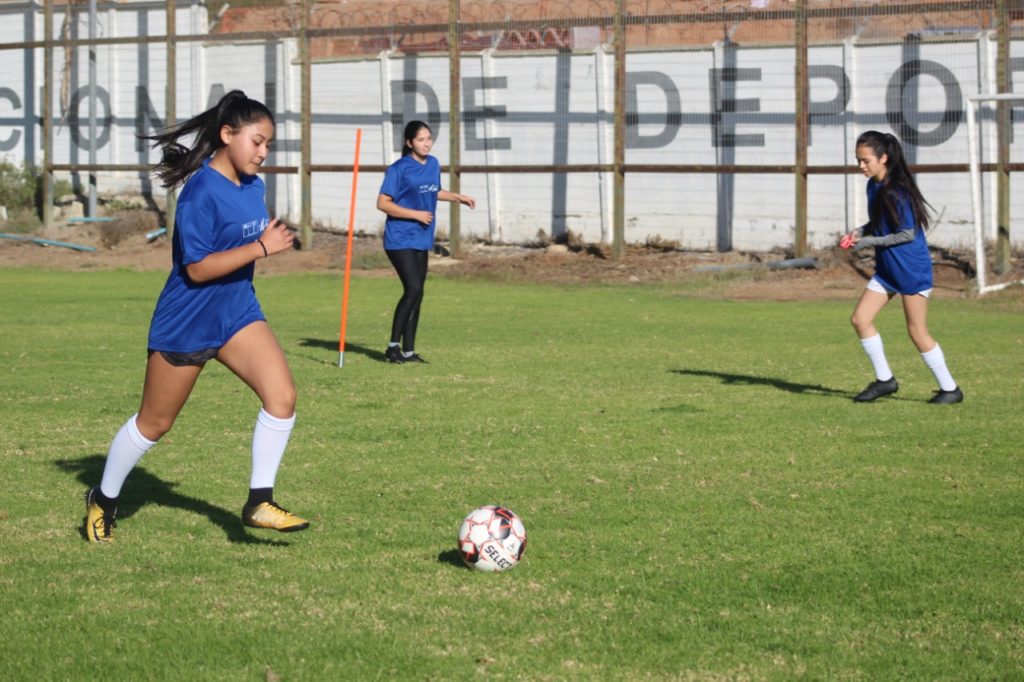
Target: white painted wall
<point>543,108</point>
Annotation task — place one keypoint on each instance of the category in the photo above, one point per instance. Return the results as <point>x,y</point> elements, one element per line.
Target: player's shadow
<point>451,556</point>
<point>149,489</point>
<point>749,380</point>
<point>349,347</point>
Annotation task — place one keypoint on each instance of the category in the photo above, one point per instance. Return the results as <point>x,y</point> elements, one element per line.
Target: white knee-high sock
<point>269,439</point>
<point>936,361</point>
<point>126,450</point>
<point>876,354</point>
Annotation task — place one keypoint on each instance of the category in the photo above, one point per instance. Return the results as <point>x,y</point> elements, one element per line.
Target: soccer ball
<point>492,538</point>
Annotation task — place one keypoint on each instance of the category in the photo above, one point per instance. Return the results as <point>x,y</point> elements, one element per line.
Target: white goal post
<point>972,102</point>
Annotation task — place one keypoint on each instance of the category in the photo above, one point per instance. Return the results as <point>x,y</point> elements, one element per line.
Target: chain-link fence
<point>714,124</point>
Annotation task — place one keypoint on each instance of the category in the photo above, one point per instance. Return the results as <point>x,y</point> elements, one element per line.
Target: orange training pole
<point>348,250</point>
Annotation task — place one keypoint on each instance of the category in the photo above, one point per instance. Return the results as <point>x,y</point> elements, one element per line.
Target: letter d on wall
<point>673,110</point>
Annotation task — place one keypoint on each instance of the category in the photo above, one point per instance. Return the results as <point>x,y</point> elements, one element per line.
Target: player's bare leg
<point>256,357</point>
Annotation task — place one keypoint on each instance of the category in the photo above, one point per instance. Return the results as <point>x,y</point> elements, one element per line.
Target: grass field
<point>703,500</point>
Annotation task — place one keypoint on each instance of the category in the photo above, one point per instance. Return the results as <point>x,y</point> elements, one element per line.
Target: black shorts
<point>197,358</point>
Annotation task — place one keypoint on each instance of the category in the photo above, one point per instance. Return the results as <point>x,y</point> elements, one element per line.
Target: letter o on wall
<point>79,134</point>
<point>894,96</point>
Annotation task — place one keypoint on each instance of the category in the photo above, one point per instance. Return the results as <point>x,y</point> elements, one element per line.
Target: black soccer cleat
<point>394,354</point>
<point>877,389</point>
<point>948,397</point>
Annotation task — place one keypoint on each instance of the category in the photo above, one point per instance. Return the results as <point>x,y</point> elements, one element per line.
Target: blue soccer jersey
<point>213,214</point>
<point>907,267</point>
<point>415,185</point>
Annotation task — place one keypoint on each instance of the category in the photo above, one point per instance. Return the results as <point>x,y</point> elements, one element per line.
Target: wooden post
<point>802,103</point>
<point>619,181</point>
<point>46,111</point>
<point>306,147</point>
<point>171,111</point>
<point>1002,254</point>
<point>454,131</point>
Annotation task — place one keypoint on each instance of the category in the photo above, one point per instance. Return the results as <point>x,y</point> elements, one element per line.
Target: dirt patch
<point>765,276</point>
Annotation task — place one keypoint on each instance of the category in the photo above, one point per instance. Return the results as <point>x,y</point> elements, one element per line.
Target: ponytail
<point>179,161</point>
<point>898,181</point>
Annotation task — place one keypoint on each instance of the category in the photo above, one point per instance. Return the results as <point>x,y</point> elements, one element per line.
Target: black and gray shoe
<point>877,389</point>
<point>414,358</point>
<point>948,397</point>
<point>394,354</point>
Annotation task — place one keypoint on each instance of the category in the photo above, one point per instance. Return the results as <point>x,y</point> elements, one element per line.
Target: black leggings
<point>411,266</point>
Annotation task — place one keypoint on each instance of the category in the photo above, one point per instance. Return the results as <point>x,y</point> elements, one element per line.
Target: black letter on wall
<point>673,117</point>
<point>474,113</point>
<point>904,120</point>
<point>12,140</point>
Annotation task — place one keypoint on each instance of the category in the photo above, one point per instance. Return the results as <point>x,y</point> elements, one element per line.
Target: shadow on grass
<point>748,380</point>
<point>682,408</point>
<point>349,347</point>
<point>453,557</point>
<point>145,488</point>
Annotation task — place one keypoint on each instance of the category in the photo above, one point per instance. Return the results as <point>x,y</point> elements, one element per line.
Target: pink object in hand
<point>846,242</point>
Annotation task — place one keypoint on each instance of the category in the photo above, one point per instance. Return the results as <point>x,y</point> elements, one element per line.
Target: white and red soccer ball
<point>492,538</point>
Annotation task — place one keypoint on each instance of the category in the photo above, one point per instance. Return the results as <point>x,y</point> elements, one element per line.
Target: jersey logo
<point>425,189</point>
<point>254,227</point>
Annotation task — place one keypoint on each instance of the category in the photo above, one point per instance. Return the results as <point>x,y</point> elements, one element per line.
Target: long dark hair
<point>412,129</point>
<point>898,181</point>
<point>179,161</point>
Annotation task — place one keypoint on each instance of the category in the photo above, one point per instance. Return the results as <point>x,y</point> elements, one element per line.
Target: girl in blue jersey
<point>208,308</point>
<point>898,217</point>
<point>409,196</point>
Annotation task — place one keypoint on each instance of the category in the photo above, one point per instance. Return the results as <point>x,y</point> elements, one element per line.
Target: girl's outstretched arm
<point>465,199</point>
<point>901,237</point>
<point>906,228</point>
<point>275,239</point>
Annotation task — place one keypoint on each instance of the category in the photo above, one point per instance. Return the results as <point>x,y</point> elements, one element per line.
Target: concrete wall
<point>723,103</point>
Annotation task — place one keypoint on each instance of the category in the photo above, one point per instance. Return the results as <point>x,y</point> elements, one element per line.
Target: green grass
<point>702,498</point>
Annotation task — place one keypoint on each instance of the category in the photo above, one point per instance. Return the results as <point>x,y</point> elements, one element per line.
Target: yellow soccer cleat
<point>273,516</point>
<point>99,525</point>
